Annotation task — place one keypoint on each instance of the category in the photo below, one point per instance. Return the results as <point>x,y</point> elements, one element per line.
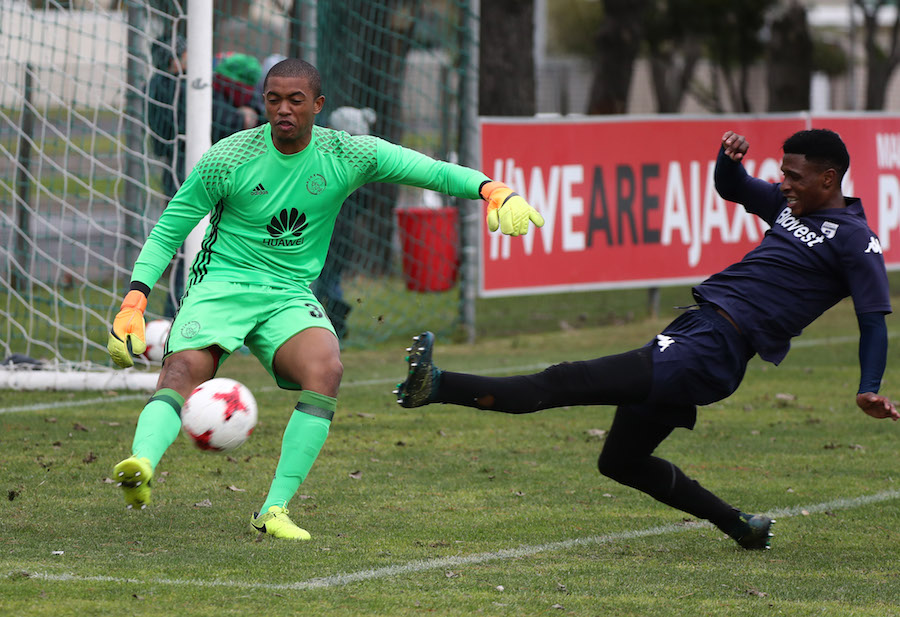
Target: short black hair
<point>295,67</point>
<point>820,146</point>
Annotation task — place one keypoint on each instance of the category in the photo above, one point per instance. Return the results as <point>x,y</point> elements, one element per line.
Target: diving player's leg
<point>610,380</point>
<point>627,458</point>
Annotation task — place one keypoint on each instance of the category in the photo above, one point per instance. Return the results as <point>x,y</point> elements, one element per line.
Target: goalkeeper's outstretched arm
<point>506,210</point>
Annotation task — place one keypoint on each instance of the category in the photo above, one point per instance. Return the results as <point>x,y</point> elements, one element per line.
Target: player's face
<point>806,185</point>
<point>291,108</point>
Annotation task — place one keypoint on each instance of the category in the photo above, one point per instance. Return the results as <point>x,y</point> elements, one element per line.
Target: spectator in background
<point>234,82</point>
<point>234,76</point>
<point>327,287</point>
<point>166,119</point>
<point>165,114</point>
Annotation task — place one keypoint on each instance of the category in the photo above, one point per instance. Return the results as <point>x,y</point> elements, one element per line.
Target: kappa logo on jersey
<point>800,231</point>
<point>874,246</point>
<point>287,228</point>
<point>664,341</point>
<point>259,189</point>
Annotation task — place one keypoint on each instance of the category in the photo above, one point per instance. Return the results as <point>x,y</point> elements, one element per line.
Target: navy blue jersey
<point>801,268</point>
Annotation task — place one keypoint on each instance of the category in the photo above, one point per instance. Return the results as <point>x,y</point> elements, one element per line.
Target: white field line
<point>832,340</point>
<point>421,565</point>
<point>50,405</point>
<point>350,384</point>
<point>836,340</point>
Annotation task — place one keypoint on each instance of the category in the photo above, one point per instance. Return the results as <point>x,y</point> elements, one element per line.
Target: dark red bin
<point>429,238</point>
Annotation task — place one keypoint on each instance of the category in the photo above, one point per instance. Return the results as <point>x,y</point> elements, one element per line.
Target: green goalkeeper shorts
<point>234,314</point>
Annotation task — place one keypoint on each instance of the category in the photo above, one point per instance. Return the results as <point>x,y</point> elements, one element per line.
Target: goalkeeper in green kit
<point>272,193</point>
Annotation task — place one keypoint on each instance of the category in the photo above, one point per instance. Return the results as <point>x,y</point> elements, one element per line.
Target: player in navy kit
<point>818,251</point>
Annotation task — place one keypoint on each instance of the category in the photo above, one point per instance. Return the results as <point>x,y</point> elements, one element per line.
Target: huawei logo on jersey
<point>287,228</point>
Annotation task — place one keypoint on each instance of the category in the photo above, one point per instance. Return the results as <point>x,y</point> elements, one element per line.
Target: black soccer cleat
<point>423,376</point>
<point>759,534</point>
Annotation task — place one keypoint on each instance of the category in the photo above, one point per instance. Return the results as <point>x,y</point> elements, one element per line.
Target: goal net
<point>90,153</point>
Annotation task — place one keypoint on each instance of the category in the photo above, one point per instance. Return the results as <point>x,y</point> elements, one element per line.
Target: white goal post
<point>80,185</point>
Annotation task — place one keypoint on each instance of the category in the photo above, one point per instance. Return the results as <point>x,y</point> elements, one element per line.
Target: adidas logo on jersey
<point>259,189</point>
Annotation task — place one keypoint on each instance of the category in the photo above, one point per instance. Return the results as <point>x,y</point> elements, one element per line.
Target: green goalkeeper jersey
<point>272,215</point>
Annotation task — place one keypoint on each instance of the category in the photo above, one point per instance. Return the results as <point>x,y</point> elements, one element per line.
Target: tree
<point>789,59</point>
<point>676,34</point>
<point>506,85</point>
<point>618,44</point>
<point>572,26</point>
<point>880,61</point>
<point>675,31</point>
<point>735,45</point>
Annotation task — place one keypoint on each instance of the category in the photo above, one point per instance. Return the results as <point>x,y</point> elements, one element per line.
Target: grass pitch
<point>451,511</point>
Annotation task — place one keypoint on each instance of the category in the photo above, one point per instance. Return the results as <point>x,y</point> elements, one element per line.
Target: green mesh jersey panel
<point>228,154</point>
<point>358,151</point>
<point>271,214</point>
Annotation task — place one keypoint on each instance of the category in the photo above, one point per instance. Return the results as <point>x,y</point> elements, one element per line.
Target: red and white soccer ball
<point>219,415</point>
<point>155,335</point>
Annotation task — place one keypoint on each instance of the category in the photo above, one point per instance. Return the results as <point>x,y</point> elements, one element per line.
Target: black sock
<point>611,380</point>
<point>627,458</point>
<point>666,483</point>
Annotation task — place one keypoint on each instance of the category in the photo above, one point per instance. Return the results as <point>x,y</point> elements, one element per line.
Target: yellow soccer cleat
<point>133,475</point>
<point>276,523</point>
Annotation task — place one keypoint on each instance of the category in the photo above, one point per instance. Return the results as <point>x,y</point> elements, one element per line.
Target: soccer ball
<point>155,335</point>
<point>219,415</point>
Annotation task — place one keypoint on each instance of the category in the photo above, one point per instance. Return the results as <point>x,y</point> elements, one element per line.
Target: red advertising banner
<point>632,202</point>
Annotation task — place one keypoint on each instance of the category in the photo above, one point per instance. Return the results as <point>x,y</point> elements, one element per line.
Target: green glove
<point>507,211</point>
<point>127,334</point>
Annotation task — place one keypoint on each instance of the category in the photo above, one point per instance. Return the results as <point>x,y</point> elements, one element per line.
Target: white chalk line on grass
<point>834,340</point>
<point>350,384</point>
<point>421,565</point>
<point>51,405</point>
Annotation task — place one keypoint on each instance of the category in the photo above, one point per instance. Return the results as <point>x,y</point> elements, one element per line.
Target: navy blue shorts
<point>699,358</point>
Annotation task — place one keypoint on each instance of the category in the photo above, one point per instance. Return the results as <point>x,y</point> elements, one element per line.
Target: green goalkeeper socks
<point>157,426</point>
<point>304,437</point>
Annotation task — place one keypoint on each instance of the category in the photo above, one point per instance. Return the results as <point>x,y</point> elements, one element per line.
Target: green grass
<point>446,482</point>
